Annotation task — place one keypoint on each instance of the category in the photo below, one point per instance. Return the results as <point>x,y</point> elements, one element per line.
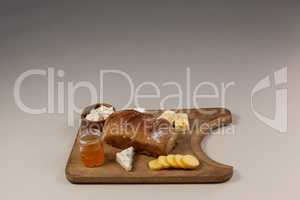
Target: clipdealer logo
<point>186,95</point>
<point>191,95</point>
<point>280,120</point>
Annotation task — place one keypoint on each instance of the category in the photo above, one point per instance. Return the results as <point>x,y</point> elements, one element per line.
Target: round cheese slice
<point>171,160</point>
<point>155,165</point>
<point>190,162</point>
<point>163,161</point>
<point>178,161</point>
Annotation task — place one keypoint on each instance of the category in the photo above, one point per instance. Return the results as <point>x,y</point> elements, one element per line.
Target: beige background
<point>220,42</point>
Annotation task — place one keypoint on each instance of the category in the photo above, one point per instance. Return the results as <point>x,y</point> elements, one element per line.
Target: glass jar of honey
<point>91,147</point>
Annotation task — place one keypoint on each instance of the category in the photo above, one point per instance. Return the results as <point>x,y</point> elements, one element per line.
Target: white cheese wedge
<point>125,158</point>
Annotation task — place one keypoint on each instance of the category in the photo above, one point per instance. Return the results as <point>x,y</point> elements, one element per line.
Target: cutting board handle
<point>222,117</point>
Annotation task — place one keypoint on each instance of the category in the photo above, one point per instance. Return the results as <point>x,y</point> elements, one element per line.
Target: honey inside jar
<point>91,150</point>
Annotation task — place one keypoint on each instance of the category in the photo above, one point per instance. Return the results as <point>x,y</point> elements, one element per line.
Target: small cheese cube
<point>182,122</point>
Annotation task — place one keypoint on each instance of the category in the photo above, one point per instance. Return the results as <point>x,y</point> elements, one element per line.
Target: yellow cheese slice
<point>171,161</point>
<point>163,161</point>
<point>178,161</point>
<point>190,162</point>
<point>155,165</point>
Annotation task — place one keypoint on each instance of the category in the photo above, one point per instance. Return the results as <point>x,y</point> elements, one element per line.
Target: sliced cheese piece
<point>178,161</point>
<point>175,161</point>
<point>125,158</point>
<point>190,162</point>
<point>163,161</point>
<point>171,160</point>
<point>155,165</point>
<point>182,122</point>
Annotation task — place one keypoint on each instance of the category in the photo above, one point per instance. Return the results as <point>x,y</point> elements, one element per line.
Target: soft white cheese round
<point>93,117</point>
<point>100,113</point>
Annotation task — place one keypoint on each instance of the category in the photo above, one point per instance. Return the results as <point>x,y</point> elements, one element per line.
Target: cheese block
<point>181,122</point>
<point>125,158</point>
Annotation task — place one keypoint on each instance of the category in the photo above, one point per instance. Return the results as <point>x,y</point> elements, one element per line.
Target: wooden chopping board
<point>209,171</point>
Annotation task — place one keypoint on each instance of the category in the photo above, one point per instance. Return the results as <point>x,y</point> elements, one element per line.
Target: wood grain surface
<point>209,171</point>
